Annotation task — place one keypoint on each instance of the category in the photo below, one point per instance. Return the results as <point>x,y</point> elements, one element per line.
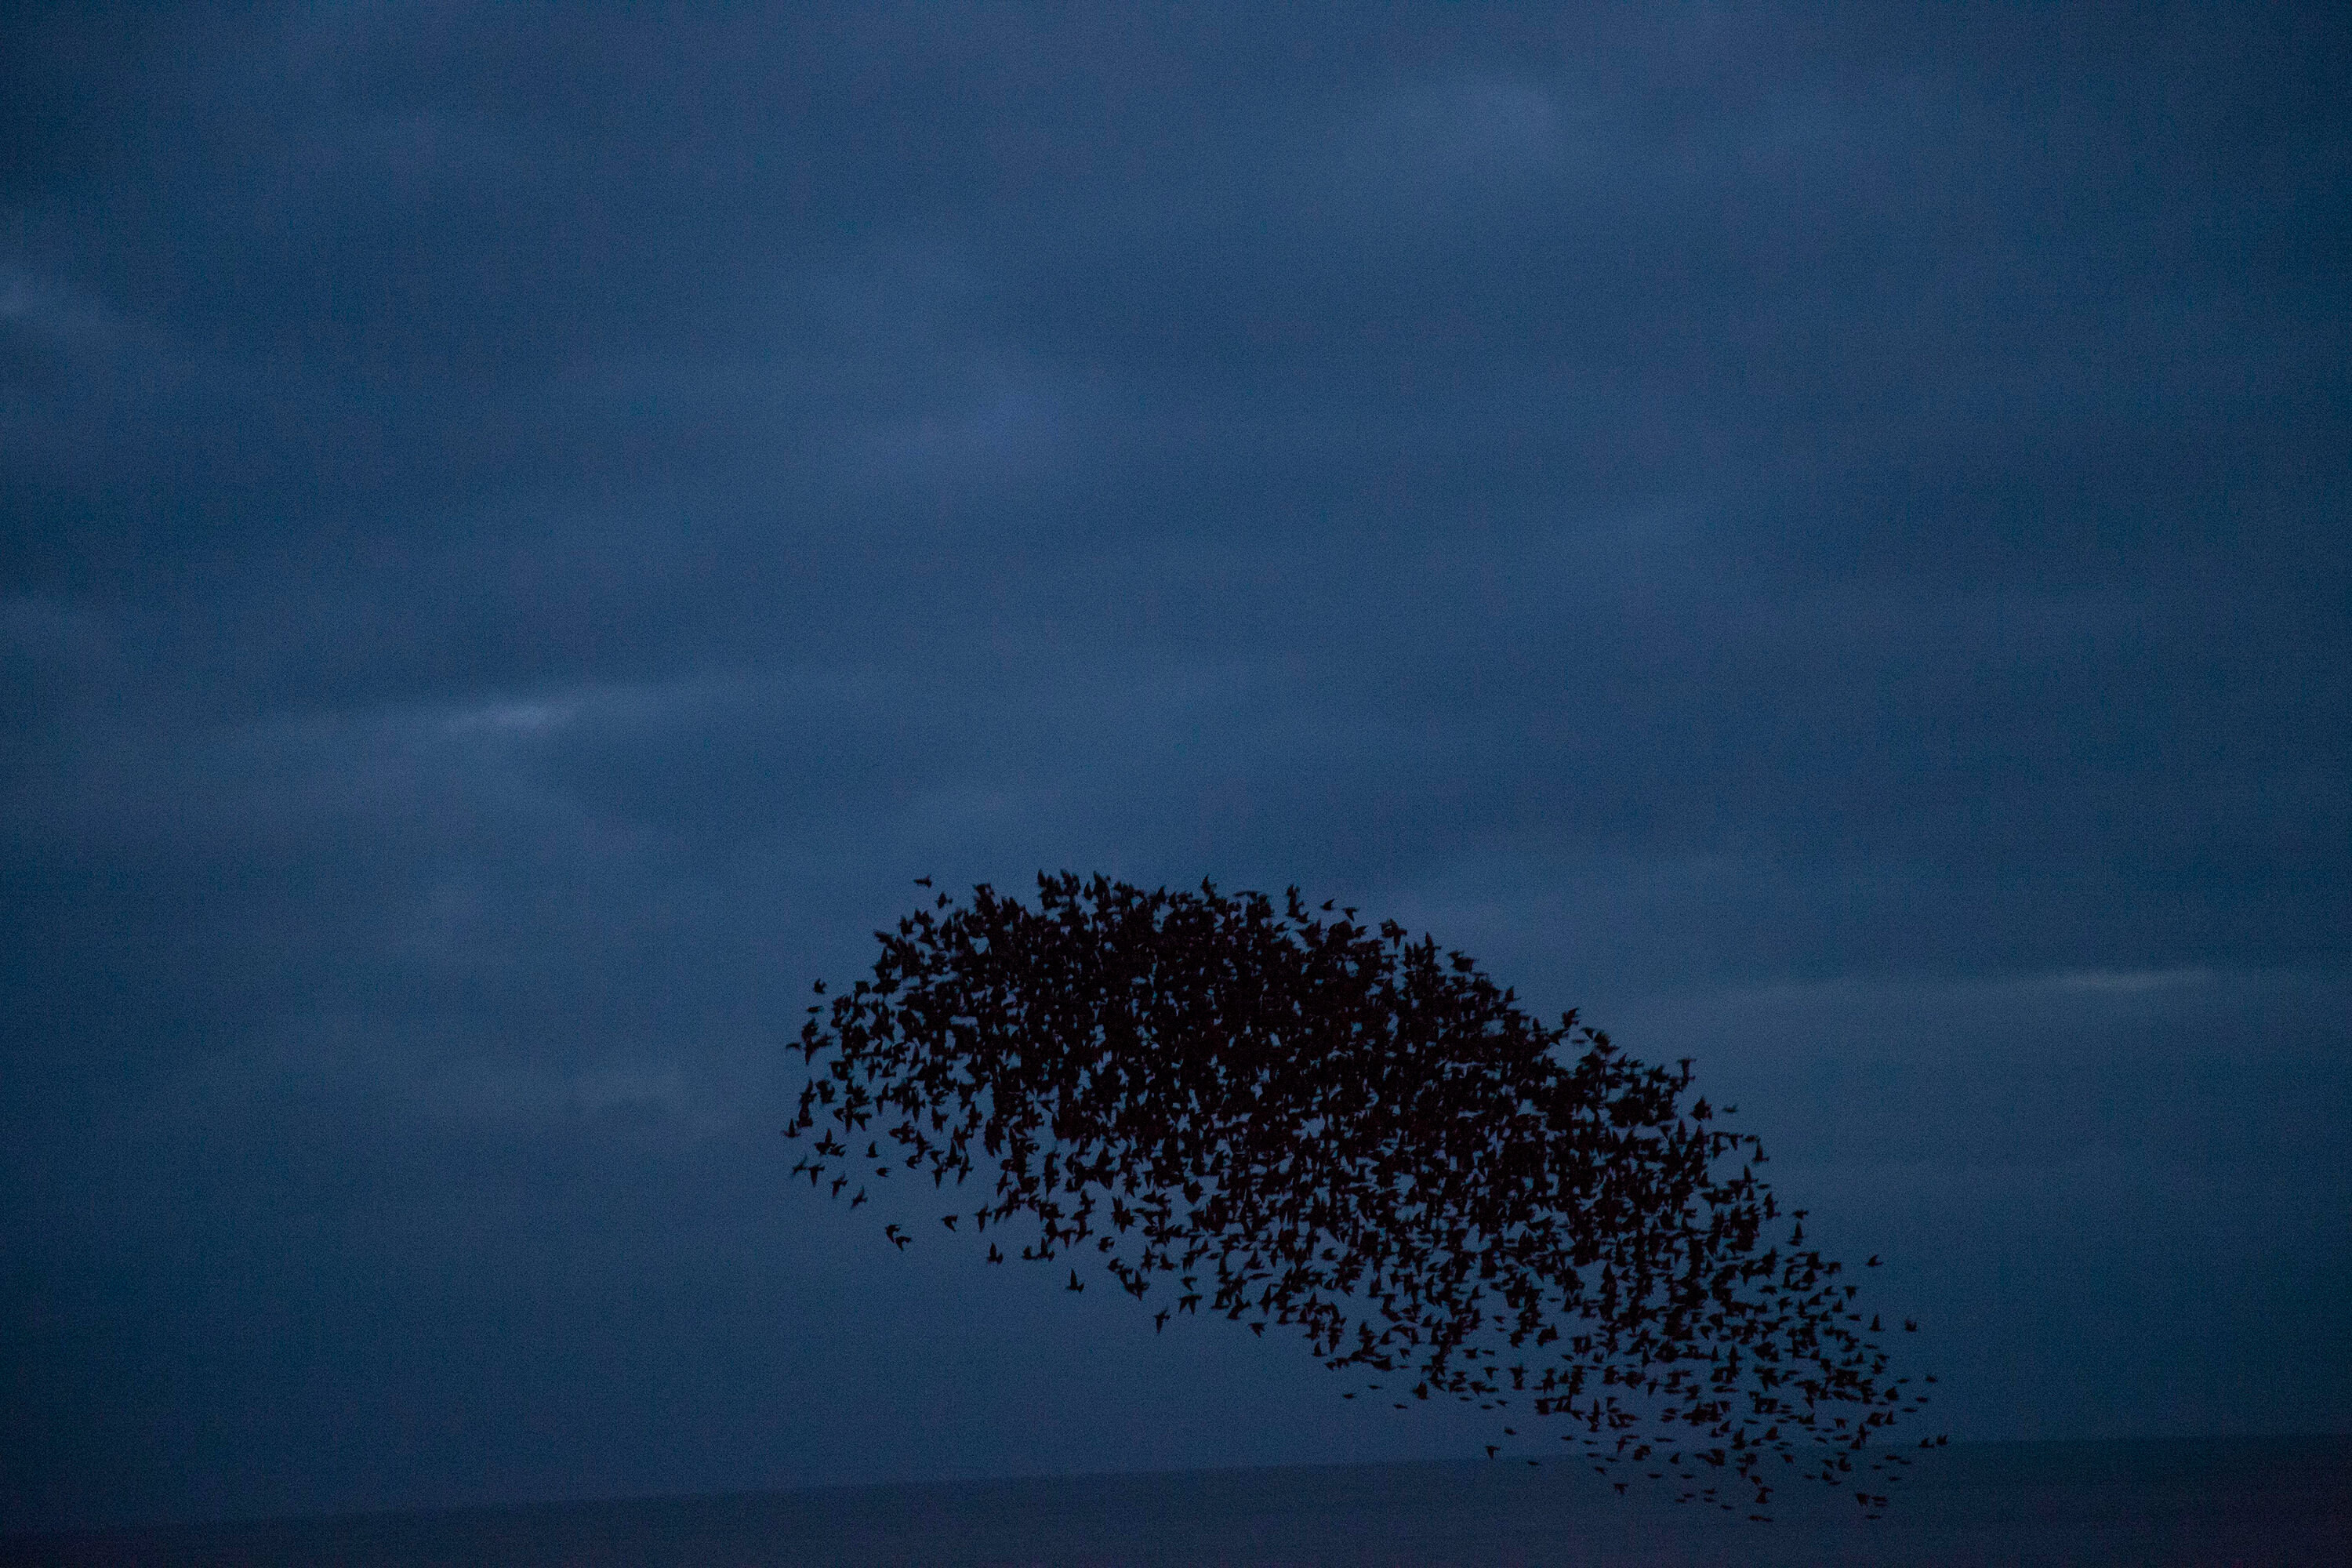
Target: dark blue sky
<point>1818,537</point>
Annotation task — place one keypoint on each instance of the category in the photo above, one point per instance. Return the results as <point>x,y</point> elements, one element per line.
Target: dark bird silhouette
<point>1325,1127</point>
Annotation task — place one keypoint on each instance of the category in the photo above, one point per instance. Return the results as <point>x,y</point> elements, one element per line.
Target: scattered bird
<point>1327,1127</point>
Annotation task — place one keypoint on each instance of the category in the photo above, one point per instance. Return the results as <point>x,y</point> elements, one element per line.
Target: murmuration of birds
<point>1293,1120</point>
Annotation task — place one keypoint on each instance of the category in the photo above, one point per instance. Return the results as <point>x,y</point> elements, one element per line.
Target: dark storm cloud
<point>519,527</point>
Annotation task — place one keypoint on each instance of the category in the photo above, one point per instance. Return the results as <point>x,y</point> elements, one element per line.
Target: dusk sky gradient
<point>1816,536</point>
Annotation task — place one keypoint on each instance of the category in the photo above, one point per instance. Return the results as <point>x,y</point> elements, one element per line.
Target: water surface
<point>2284,1501</point>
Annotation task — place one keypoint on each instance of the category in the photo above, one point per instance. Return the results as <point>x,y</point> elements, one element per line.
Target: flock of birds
<point>1297,1121</point>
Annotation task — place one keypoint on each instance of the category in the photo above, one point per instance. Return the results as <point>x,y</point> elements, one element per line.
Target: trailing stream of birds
<point>1294,1121</point>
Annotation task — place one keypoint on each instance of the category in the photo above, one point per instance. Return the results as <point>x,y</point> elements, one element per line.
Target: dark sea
<point>2213,1503</point>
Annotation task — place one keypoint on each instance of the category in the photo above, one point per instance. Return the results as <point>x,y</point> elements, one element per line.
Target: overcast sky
<point>1818,537</point>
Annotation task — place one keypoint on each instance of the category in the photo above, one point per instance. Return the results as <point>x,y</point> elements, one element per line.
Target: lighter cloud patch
<point>1424,146</point>
<point>654,706</point>
<point>2129,983</point>
<point>953,817</point>
<point>25,301</point>
<point>642,1095</point>
<point>116,370</point>
<point>334,54</point>
<point>17,297</point>
<point>421,146</point>
<point>50,632</point>
<point>634,702</point>
<point>358,1061</point>
<point>1928,991</point>
<point>516,718</point>
<point>641,1090</point>
<point>1479,121</point>
<point>999,435</point>
<point>56,314</point>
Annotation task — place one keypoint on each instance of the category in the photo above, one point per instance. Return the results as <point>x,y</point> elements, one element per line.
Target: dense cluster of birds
<point>1294,1120</point>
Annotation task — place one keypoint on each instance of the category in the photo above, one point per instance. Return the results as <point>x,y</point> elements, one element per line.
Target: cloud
<point>2131,982</point>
